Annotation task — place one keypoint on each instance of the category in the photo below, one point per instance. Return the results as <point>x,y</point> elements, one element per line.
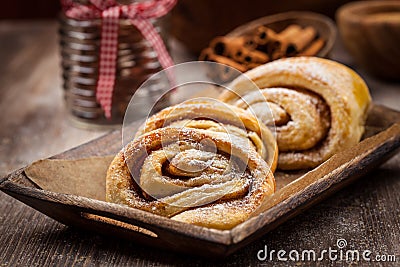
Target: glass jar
<point>80,51</point>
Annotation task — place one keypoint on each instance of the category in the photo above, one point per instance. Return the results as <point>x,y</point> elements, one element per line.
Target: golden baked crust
<point>190,175</point>
<point>213,115</point>
<point>319,106</point>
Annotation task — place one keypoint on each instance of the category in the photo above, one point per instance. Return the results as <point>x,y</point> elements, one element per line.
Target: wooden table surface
<point>33,125</point>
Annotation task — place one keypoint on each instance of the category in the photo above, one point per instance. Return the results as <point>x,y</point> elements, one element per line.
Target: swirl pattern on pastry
<point>196,176</point>
<point>319,107</point>
<point>213,115</point>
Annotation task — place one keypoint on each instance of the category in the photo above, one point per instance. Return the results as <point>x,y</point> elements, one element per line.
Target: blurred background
<point>209,17</point>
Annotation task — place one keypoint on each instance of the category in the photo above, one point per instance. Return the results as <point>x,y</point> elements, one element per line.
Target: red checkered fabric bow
<point>139,14</point>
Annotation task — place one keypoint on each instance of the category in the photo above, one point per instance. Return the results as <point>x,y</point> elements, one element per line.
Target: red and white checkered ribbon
<point>139,14</point>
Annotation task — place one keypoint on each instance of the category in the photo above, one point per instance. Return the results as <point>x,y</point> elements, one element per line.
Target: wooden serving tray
<point>296,192</point>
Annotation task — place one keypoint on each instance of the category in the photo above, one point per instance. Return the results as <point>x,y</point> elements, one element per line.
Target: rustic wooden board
<point>162,232</point>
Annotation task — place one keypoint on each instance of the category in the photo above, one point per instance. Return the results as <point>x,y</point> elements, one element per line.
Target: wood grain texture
<point>366,213</point>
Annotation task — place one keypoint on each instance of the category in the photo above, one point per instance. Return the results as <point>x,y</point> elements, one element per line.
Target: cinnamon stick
<point>264,35</point>
<point>313,48</point>
<point>252,65</point>
<point>298,39</point>
<point>209,55</point>
<point>235,48</point>
<point>227,46</point>
<point>305,38</point>
<point>249,42</point>
<point>267,40</point>
<point>245,55</point>
<point>249,51</point>
<point>289,32</point>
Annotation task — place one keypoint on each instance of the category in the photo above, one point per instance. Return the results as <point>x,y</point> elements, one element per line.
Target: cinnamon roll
<point>191,175</point>
<point>318,107</point>
<point>213,115</point>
